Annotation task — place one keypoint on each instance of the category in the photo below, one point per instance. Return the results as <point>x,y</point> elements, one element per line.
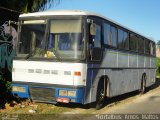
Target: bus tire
<point>143,84</point>
<point>101,94</point>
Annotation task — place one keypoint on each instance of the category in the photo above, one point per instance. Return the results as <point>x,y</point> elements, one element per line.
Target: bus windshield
<point>63,41</point>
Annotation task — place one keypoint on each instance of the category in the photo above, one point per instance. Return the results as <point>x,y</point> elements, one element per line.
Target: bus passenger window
<point>106,33</point>
<point>110,35</point>
<point>147,47</point>
<point>133,42</point>
<point>154,49</point>
<point>140,45</point>
<point>123,42</point>
<point>114,36</point>
<point>151,48</point>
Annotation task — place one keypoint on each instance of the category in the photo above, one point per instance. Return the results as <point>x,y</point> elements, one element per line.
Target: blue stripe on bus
<point>22,94</point>
<point>79,98</point>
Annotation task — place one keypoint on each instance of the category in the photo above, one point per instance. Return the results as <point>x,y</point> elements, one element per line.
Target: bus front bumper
<point>49,94</point>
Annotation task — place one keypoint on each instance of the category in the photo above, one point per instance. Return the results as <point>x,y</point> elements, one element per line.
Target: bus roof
<point>74,13</point>
<point>59,12</point>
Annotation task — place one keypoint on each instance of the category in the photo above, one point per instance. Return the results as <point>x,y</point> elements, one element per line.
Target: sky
<point>142,16</point>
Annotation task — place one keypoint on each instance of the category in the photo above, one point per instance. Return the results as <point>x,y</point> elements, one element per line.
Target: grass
<point>44,111</point>
<point>40,108</point>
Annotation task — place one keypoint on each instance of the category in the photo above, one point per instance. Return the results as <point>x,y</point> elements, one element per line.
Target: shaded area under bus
<point>110,101</point>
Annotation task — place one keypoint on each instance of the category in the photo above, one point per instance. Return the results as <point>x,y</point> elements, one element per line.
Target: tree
<point>158,45</point>
<point>25,6</point>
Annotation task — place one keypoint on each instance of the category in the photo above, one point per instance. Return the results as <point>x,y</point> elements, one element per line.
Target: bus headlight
<point>18,89</point>
<point>62,92</point>
<point>72,93</point>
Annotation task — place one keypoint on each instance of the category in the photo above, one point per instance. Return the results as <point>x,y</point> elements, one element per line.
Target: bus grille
<point>42,94</point>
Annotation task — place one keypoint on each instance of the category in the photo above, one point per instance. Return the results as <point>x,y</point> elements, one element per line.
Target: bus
<point>79,57</point>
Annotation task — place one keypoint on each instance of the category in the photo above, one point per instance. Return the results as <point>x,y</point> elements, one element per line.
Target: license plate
<point>18,89</point>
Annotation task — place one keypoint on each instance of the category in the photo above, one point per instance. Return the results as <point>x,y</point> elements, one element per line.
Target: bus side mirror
<point>93,29</point>
<point>96,54</point>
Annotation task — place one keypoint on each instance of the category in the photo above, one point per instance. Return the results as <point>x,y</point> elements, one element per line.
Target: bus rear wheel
<point>101,94</point>
<point>143,84</point>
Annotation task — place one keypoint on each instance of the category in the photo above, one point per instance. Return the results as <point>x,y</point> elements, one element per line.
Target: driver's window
<point>95,36</point>
<point>95,51</point>
<point>97,40</point>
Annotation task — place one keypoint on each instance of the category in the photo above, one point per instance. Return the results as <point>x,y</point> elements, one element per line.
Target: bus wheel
<point>143,84</point>
<point>101,93</point>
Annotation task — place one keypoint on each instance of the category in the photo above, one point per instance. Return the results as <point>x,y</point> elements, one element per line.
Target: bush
<point>5,91</point>
<point>157,66</point>
<point>2,92</point>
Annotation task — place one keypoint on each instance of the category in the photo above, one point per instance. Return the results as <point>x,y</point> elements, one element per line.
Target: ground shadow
<point>109,101</point>
<point>131,94</point>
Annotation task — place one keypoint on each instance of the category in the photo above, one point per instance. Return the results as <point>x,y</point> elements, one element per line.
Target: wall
<point>8,38</point>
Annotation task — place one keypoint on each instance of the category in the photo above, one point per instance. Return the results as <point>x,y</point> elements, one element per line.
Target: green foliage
<point>5,91</point>
<point>25,6</point>
<point>157,66</point>
<point>158,42</point>
<point>2,89</point>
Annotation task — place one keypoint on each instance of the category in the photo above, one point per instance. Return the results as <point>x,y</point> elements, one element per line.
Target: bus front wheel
<point>101,94</point>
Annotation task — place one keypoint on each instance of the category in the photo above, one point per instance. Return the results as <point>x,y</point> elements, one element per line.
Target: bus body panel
<point>124,71</point>
<point>49,72</point>
<point>43,80</point>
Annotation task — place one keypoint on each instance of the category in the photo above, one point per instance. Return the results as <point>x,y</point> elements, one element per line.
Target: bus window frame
<point>97,21</point>
<point>136,50</point>
<point>149,52</point>
<point>111,25</point>
<point>83,18</point>
<point>126,31</point>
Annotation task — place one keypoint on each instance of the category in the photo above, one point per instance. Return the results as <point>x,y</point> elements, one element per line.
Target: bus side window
<point>147,46</point>
<point>151,48</point>
<point>140,45</point>
<point>123,41</point>
<point>95,51</point>
<point>113,36</point>
<point>107,36</point>
<point>95,35</point>
<point>110,35</point>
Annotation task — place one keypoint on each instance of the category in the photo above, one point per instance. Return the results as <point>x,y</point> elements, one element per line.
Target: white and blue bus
<point>79,57</point>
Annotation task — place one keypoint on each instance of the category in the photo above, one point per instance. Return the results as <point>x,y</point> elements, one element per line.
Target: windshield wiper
<point>28,56</point>
<point>57,55</point>
<point>31,54</point>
